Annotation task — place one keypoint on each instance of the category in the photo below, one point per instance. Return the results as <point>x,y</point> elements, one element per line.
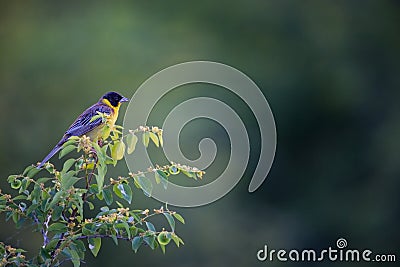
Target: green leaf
<point>88,229</point>
<point>55,199</point>
<point>9,214</point>
<point>107,196</point>
<point>150,226</point>
<point>117,191</point>
<point>95,117</point>
<point>110,161</point>
<point>43,180</point>
<point>133,230</point>
<point>115,239</point>
<point>145,184</point>
<point>15,217</point>
<point>44,254</point>
<point>94,245</point>
<point>93,189</point>
<point>57,228</point>
<point>79,246</point>
<point>180,240</point>
<point>170,220</point>
<point>67,165</point>
<point>118,150</point>
<point>101,155</point>
<point>164,238</point>
<point>162,248</point>
<point>45,203</point>
<point>11,178</point>
<point>173,170</point>
<point>76,261</point>
<point>25,183</point>
<point>27,169</point>
<point>67,180</point>
<point>57,211</point>
<point>35,194</point>
<point>154,138</point>
<point>131,140</point>
<point>51,245</point>
<point>189,174</point>
<point>161,176</point>
<point>126,192</point>
<point>136,242</point>
<point>101,173</point>
<point>78,202</point>
<point>145,139</point>
<point>20,197</point>
<point>150,240</point>
<point>66,150</point>
<point>179,217</point>
<point>45,195</point>
<point>16,184</point>
<point>176,239</point>
<point>20,222</point>
<point>125,226</point>
<point>119,204</point>
<point>49,168</point>
<point>31,208</point>
<point>157,177</point>
<point>100,195</point>
<point>71,141</point>
<point>160,137</point>
<point>91,205</point>
<point>32,172</point>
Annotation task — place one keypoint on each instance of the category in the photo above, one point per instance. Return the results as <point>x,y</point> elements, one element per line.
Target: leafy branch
<point>55,201</point>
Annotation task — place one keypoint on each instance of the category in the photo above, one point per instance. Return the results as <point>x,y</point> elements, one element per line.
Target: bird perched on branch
<point>94,128</point>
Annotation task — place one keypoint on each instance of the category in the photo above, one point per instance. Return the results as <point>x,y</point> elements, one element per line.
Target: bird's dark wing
<point>83,125</point>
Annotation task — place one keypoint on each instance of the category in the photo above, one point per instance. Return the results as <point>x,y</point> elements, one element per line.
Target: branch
<point>42,231</point>
<point>103,236</point>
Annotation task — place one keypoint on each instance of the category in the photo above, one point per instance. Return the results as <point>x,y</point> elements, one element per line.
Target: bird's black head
<point>114,98</point>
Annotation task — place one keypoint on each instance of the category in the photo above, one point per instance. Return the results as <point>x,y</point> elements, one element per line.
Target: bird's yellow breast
<point>103,131</point>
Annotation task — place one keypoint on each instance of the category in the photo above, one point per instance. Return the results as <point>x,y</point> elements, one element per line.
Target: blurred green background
<point>329,69</point>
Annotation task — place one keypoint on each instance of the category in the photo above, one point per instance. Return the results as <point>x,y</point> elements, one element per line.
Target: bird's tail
<point>51,154</point>
<point>54,151</point>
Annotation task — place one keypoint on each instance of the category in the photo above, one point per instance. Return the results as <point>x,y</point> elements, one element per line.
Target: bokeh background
<point>329,69</point>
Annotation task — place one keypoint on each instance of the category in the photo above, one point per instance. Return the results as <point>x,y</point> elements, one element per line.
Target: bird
<point>108,104</point>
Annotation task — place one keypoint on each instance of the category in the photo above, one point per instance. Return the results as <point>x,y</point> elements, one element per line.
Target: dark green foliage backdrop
<point>330,70</point>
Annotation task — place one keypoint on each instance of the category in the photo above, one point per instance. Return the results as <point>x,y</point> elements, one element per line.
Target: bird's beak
<point>124,99</point>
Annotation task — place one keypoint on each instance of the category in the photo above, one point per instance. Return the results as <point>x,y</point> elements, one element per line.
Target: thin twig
<point>42,231</point>
<point>45,237</point>
<point>102,236</point>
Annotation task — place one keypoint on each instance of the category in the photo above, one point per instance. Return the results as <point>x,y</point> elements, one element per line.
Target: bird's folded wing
<point>83,123</point>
